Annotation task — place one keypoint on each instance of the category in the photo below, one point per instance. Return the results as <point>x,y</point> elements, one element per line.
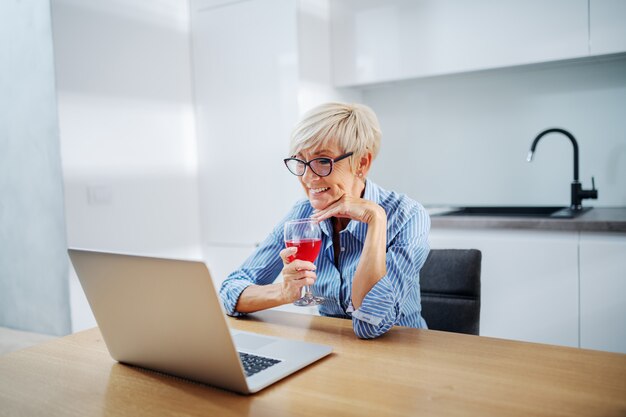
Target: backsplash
<point>463,139</point>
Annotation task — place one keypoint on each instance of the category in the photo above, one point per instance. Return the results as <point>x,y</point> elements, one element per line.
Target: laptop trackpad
<point>251,342</point>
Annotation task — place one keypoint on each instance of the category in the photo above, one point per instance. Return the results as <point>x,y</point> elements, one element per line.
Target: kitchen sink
<point>518,211</point>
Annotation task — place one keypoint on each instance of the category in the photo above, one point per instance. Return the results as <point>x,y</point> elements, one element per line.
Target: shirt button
<point>343,249</point>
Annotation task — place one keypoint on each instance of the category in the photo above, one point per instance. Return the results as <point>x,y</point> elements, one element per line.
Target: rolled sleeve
<point>261,268</point>
<point>381,308</point>
<point>377,312</point>
<point>230,292</point>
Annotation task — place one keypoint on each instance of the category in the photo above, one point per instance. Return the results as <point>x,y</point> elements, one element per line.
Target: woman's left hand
<point>354,208</point>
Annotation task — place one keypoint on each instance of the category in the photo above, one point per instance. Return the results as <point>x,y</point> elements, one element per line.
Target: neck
<point>339,224</point>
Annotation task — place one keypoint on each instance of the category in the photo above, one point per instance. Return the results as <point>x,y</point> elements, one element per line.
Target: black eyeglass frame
<point>308,164</point>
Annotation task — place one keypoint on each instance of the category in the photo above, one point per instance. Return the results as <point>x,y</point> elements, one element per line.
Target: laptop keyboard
<point>253,363</point>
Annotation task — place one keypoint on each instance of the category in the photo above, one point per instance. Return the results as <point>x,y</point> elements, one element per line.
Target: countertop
<point>596,220</point>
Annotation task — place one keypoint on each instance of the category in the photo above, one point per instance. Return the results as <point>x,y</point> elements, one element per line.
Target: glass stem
<point>307,292</point>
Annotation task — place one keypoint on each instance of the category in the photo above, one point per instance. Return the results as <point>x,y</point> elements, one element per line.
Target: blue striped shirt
<point>394,300</point>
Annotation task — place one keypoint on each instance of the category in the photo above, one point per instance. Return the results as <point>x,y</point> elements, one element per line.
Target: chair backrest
<point>450,290</point>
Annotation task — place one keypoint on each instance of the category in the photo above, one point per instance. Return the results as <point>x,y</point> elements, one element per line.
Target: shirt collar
<point>327,228</point>
<point>372,192</point>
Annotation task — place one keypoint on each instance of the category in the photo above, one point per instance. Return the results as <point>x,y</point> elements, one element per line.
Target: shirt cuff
<point>376,304</point>
<point>231,297</point>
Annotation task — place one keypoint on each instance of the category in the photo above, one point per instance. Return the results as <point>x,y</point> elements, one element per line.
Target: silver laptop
<point>165,315</point>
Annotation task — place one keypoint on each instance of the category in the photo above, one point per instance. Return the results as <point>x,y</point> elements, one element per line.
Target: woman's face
<point>323,191</point>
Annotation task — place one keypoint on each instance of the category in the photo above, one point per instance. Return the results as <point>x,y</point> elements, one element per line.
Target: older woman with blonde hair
<point>374,241</point>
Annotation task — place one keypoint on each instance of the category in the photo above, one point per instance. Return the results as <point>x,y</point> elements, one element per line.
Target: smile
<point>318,190</point>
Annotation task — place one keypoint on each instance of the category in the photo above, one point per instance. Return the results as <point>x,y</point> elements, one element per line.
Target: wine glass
<point>306,235</point>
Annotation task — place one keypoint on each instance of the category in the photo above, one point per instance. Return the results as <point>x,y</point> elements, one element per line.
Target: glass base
<point>309,300</point>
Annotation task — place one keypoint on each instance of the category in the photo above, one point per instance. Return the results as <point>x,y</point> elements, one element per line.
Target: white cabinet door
<point>386,40</point>
<point>603,291</point>
<point>529,282</point>
<point>607,20</point>
<point>246,90</point>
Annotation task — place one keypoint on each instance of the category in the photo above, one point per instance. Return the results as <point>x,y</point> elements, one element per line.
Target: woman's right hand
<point>296,274</point>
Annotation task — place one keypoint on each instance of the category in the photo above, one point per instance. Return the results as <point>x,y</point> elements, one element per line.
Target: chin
<point>318,204</point>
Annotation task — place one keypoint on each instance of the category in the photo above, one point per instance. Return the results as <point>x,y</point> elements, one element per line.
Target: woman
<point>374,242</point>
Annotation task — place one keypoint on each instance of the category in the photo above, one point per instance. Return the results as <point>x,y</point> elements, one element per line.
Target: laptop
<point>165,315</point>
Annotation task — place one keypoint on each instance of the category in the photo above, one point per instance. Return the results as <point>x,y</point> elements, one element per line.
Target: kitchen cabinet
<point>381,40</point>
<point>607,26</point>
<point>529,282</point>
<point>603,291</point>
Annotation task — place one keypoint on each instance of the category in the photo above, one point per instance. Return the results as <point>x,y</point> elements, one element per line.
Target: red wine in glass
<point>307,248</point>
<point>306,235</point>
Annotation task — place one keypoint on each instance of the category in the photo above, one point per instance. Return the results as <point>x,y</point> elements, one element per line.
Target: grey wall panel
<point>34,291</point>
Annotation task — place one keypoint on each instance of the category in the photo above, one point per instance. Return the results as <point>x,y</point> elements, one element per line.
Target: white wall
<point>463,139</point>
<point>251,87</point>
<point>33,262</point>
<point>315,84</point>
<point>127,128</point>
<point>246,95</point>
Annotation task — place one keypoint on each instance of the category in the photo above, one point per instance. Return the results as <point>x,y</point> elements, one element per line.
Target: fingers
<point>298,270</point>
<point>307,281</point>
<point>326,213</point>
<point>292,288</point>
<point>337,211</point>
<point>298,265</point>
<point>344,208</point>
<point>351,208</point>
<point>301,277</point>
<point>288,254</point>
<point>294,281</point>
<point>296,274</point>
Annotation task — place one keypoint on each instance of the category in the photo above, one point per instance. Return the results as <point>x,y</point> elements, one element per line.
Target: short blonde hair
<point>353,127</point>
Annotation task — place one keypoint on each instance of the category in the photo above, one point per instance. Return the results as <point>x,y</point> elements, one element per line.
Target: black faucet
<point>578,194</point>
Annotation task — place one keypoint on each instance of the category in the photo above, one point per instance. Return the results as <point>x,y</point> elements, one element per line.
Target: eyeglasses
<point>322,167</point>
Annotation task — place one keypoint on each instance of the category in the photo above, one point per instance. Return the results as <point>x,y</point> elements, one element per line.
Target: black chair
<point>450,290</point>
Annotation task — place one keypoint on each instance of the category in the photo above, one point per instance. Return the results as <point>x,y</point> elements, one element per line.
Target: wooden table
<point>407,372</point>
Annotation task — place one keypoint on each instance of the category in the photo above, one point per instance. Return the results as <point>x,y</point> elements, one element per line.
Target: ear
<point>365,162</point>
